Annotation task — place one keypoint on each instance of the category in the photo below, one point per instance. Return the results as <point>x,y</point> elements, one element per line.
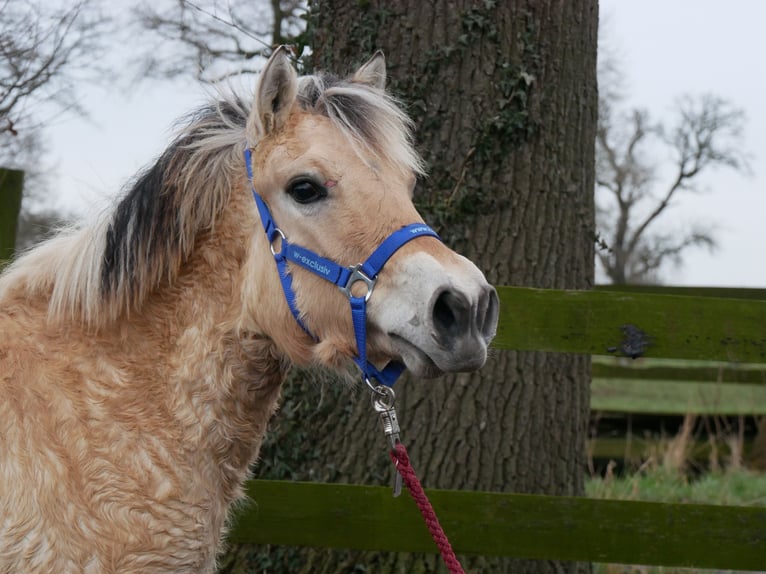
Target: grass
<point>669,470</point>
<point>733,487</point>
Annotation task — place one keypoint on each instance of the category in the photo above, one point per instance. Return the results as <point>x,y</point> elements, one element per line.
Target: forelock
<point>369,117</point>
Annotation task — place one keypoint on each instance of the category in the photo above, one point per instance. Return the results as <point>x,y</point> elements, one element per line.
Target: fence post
<point>11,185</point>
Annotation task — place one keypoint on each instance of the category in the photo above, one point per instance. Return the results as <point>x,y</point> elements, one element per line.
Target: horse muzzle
<point>439,317</point>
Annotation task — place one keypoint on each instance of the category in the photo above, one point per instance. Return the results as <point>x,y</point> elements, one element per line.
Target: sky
<point>675,47</point>
<point>668,48</point>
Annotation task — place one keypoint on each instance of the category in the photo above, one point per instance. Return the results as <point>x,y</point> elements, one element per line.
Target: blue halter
<point>343,277</point>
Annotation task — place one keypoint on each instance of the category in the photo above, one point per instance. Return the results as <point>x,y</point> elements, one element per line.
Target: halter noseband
<point>343,277</point>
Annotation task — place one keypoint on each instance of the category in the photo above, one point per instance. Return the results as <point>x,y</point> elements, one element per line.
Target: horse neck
<point>223,378</point>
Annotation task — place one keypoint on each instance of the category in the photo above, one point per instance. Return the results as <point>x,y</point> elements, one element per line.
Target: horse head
<point>333,161</point>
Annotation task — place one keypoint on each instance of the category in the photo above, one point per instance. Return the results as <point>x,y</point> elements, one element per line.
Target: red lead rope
<point>402,461</point>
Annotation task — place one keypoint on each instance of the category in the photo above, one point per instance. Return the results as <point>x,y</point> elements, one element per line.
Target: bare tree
<point>213,39</point>
<point>44,52</point>
<point>642,167</point>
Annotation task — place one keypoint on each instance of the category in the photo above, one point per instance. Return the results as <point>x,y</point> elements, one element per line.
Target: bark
<point>504,96</point>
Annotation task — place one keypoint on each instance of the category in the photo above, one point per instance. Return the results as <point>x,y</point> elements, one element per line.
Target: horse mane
<point>107,268</point>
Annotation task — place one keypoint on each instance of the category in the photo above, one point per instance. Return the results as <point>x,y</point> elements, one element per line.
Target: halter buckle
<point>358,275</point>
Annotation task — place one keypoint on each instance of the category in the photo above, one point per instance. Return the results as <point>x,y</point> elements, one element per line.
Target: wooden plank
<point>680,370</point>
<point>665,397</point>
<point>11,184</point>
<point>593,323</point>
<point>725,292</point>
<point>497,524</point>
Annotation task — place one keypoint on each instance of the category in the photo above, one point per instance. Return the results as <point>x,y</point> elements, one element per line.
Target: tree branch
<point>706,135</point>
<point>40,53</point>
<point>216,43</point>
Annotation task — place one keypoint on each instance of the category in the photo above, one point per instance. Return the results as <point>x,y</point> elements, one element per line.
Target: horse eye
<point>306,191</point>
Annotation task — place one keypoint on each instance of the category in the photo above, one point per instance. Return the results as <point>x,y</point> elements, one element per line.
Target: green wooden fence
<point>593,322</point>
<point>495,524</point>
<point>679,386</point>
<point>11,183</point>
<point>681,325</point>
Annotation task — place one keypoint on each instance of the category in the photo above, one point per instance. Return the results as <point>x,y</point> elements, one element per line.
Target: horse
<point>143,352</point>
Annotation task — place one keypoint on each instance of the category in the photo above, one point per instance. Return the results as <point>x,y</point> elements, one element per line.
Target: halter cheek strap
<point>343,277</point>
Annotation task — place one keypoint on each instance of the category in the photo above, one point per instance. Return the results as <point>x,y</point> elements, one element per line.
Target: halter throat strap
<point>343,277</point>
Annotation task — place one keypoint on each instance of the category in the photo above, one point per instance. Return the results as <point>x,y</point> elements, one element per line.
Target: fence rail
<point>496,524</point>
<point>11,184</point>
<point>608,322</point>
<point>676,397</point>
<point>670,369</point>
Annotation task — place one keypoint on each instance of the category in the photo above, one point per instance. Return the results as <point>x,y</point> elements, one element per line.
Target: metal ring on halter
<point>281,234</point>
<point>383,397</point>
<point>376,389</point>
<point>358,275</point>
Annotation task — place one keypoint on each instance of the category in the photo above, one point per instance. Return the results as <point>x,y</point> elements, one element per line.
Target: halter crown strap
<point>343,277</point>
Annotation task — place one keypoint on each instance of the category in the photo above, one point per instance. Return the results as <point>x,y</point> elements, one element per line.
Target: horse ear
<point>274,95</point>
<point>373,73</point>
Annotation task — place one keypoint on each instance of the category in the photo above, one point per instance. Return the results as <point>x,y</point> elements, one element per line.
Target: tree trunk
<point>504,97</point>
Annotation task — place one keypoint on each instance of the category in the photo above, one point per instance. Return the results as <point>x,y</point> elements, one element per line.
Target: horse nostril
<point>450,315</point>
<point>455,317</point>
<point>489,309</point>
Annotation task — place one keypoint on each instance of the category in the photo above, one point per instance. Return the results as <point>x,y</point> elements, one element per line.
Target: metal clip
<point>358,275</point>
<point>383,403</point>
